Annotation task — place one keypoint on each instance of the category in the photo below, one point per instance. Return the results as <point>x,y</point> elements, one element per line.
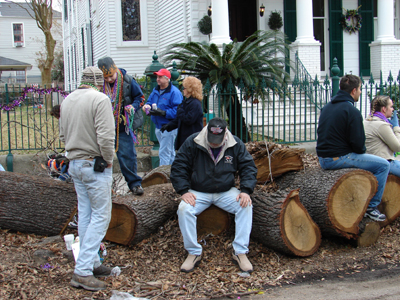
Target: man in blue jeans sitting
<point>341,140</point>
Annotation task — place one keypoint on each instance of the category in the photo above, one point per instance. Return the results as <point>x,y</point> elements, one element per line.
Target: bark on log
<point>282,223</point>
<point>32,204</point>
<point>274,158</point>
<point>158,175</point>
<point>335,199</point>
<point>390,205</point>
<point>134,218</point>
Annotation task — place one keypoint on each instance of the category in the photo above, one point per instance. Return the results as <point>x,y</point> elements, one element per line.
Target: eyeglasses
<point>183,88</point>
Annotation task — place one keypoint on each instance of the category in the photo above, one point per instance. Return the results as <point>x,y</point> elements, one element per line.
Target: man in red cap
<point>203,173</point>
<point>162,105</point>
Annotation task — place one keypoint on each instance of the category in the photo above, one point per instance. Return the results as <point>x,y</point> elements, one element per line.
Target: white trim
<point>143,26</point>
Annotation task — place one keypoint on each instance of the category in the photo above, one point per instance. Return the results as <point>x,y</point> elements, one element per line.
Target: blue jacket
<point>168,102</point>
<point>189,120</point>
<point>340,128</point>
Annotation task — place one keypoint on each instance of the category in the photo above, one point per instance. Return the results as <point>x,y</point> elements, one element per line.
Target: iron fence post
<point>335,78</point>
<point>9,159</point>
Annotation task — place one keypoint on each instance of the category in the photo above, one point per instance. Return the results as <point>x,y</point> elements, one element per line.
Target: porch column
<point>307,47</point>
<point>385,51</point>
<point>220,22</point>
<point>385,20</point>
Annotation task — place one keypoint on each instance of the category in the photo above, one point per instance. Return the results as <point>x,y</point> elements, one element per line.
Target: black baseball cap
<point>216,130</point>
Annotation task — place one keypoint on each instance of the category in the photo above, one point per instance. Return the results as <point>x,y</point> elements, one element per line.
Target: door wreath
<point>351,20</point>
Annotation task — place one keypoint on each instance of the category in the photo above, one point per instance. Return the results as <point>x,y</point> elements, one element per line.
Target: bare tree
<point>42,12</point>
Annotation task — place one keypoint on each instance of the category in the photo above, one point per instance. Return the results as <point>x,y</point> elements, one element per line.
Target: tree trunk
<point>335,199</point>
<point>282,223</point>
<point>135,218</point>
<point>158,175</point>
<point>274,158</point>
<point>390,205</point>
<point>39,205</point>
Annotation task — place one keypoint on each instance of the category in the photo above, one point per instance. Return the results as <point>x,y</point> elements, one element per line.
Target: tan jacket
<point>381,139</point>
<point>87,125</point>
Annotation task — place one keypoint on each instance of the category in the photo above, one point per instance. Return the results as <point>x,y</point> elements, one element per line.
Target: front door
<point>242,19</point>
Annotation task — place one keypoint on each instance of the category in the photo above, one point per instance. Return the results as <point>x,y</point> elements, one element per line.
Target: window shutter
<point>366,35</point>
<point>335,34</point>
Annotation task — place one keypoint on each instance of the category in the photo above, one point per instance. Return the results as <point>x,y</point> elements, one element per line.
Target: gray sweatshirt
<point>87,125</point>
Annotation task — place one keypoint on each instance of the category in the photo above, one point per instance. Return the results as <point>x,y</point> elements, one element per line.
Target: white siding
<point>350,45</point>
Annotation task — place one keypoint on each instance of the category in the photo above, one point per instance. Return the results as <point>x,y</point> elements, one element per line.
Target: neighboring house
<point>131,30</point>
<point>20,39</point>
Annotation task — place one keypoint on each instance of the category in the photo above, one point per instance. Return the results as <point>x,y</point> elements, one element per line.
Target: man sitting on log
<point>87,128</point>
<point>203,172</point>
<point>382,132</point>
<point>341,140</point>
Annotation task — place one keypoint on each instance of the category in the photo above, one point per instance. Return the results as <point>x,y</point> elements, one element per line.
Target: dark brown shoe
<point>89,283</point>
<point>102,271</point>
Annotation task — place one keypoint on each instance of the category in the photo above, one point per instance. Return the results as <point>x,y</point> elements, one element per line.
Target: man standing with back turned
<point>87,129</point>
<point>341,140</point>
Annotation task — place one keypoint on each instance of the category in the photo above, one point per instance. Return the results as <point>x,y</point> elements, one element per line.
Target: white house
<point>130,31</point>
<point>20,40</point>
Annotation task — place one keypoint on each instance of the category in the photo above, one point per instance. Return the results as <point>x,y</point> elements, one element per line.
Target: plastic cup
<point>69,239</point>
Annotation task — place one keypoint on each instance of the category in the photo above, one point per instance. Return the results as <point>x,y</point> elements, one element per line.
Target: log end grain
<point>299,231</point>
<point>390,205</point>
<point>213,220</point>
<point>122,227</point>
<point>153,179</point>
<point>370,231</point>
<point>349,198</point>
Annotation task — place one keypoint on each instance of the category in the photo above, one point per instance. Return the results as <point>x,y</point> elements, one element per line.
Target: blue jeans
<point>127,159</point>
<point>226,201</point>
<point>167,146</point>
<point>375,164</point>
<point>395,168</point>
<point>94,210</point>
<point>1,168</point>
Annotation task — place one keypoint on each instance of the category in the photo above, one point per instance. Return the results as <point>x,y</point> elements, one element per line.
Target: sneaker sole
<point>375,219</point>
<point>237,263</point>
<point>76,284</point>
<point>195,265</point>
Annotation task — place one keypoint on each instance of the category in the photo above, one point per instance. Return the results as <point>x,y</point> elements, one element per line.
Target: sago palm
<point>258,59</point>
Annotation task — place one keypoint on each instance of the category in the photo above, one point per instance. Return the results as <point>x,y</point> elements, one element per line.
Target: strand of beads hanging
<point>31,90</point>
<point>351,20</point>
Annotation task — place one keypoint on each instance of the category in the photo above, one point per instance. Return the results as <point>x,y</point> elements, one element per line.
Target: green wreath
<point>351,20</point>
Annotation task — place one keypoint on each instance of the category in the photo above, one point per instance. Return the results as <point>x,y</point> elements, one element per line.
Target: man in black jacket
<point>341,140</point>
<point>203,172</point>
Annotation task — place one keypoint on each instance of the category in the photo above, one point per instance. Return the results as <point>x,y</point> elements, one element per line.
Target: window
<point>20,76</point>
<point>130,13</point>
<point>18,35</point>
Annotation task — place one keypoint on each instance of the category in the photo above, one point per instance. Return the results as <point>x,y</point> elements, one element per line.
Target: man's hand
<point>130,109</point>
<point>244,199</point>
<point>189,198</point>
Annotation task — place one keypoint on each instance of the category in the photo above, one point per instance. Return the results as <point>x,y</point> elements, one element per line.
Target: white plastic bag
<point>116,295</point>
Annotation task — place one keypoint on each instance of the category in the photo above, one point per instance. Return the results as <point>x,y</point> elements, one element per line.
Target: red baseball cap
<point>163,72</point>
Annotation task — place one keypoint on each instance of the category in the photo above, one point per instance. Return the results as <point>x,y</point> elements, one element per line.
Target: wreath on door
<point>351,20</point>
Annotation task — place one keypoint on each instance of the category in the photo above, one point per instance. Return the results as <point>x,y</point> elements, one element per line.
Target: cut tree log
<point>275,159</point>
<point>158,175</point>
<point>32,204</point>
<point>134,218</point>
<point>282,223</point>
<point>369,232</point>
<point>390,205</point>
<point>335,199</point>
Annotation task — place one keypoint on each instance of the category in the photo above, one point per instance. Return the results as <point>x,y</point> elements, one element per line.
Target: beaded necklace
<point>86,85</point>
<point>115,95</point>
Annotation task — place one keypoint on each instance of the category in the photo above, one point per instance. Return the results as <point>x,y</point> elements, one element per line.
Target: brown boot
<point>243,262</point>
<point>102,271</point>
<point>89,283</point>
<point>190,263</point>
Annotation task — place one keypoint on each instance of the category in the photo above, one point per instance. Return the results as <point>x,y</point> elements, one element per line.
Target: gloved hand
<point>158,112</point>
<point>394,120</point>
<point>166,127</point>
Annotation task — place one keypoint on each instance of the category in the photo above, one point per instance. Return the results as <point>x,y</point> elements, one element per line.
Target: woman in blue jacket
<point>189,117</point>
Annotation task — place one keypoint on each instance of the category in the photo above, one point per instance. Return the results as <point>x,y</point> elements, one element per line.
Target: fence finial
<point>335,78</point>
